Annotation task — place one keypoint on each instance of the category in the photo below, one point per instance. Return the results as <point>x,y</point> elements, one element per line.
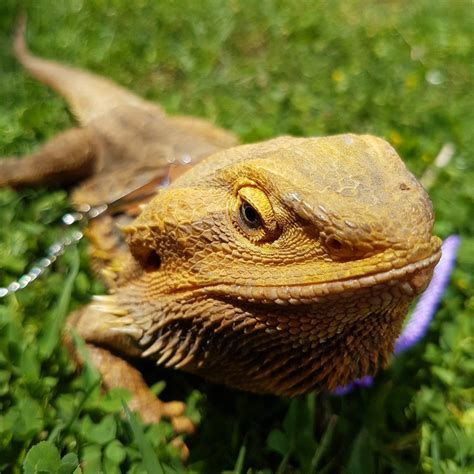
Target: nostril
<point>334,244</point>
<point>152,262</point>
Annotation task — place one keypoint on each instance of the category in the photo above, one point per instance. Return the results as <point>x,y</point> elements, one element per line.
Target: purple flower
<point>429,301</point>
<point>424,311</point>
<point>365,381</point>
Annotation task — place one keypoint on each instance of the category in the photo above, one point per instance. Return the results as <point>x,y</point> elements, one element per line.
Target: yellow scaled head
<point>316,244</point>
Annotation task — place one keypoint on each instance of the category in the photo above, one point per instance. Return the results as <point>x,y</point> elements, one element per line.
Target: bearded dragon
<point>280,267</point>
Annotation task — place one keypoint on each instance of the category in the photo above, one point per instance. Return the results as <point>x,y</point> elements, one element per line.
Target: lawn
<point>397,69</point>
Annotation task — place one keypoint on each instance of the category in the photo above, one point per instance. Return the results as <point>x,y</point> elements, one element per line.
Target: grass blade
<point>150,461</point>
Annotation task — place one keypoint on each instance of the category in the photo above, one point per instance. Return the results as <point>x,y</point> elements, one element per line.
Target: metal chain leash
<point>83,215</point>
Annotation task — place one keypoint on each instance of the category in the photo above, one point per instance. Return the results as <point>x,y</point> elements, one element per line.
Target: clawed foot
<point>117,372</point>
<point>152,410</point>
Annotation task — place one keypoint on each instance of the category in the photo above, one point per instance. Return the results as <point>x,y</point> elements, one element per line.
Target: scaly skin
<point>312,296</point>
<point>281,267</point>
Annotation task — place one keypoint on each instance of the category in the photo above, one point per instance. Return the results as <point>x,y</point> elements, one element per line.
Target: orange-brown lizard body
<point>279,267</point>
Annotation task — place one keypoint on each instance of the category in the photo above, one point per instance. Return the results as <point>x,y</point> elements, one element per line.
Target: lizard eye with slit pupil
<point>250,216</point>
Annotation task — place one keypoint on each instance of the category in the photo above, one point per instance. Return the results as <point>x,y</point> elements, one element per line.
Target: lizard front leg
<point>106,336</point>
<point>67,158</point>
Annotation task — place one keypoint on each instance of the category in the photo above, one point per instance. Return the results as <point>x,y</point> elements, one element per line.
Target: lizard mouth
<point>411,279</point>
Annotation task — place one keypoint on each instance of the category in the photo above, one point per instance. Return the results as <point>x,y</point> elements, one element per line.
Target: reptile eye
<point>254,216</point>
<point>250,216</point>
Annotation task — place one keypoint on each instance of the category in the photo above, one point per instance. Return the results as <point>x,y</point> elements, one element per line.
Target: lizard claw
<point>153,410</point>
<point>182,424</point>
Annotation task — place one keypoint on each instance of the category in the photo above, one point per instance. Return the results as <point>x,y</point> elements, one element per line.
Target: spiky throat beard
<point>270,348</point>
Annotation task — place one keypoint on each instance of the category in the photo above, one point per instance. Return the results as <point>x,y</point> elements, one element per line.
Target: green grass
<point>397,69</point>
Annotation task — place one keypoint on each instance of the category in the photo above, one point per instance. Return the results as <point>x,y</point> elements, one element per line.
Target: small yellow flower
<point>411,81</point>
<point>461,283</point>
<point>467,420</point>
<point>337,75</point>
<point>395,138</point>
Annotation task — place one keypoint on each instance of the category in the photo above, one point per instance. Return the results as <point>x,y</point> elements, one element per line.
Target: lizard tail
<point>88,94</point>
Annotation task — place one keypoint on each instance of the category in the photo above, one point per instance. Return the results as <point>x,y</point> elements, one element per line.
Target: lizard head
<point>283,266</point>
